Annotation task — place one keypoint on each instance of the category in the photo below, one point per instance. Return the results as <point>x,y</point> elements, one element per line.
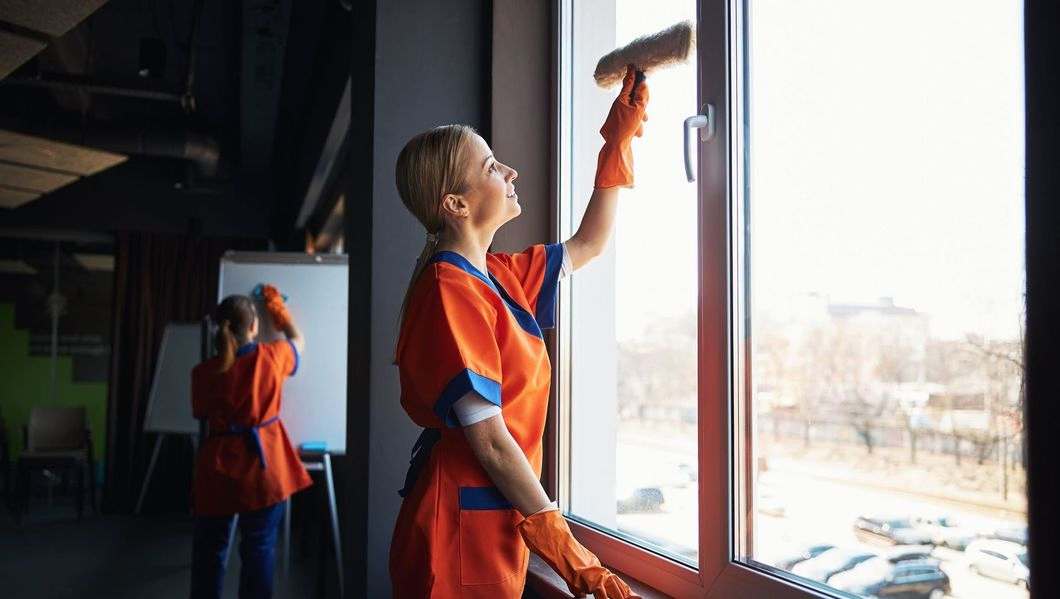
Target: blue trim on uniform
<point>246,349</point>
<point>526,320</point>
<point>297,359</point>
<point>546,297</point>
<point>252,431</point>
<point>460,262</point>
<point>483,498</point>
<point>463,383</point>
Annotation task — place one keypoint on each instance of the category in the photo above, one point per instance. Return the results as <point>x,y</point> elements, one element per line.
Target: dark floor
<point>51,555</point>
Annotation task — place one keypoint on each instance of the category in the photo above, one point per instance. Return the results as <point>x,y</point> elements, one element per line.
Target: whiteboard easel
<point>169,403</point>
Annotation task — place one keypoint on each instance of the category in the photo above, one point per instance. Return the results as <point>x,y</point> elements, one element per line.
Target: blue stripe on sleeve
<point>297,359</point>
<point>545,314</point>
<point>464,382</point>
<point>483,498</point>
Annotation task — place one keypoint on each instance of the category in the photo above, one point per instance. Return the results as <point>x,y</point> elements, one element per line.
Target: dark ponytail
<point>235,315</point>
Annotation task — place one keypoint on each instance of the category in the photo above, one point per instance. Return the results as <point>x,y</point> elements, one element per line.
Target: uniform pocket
<point>491,550</point>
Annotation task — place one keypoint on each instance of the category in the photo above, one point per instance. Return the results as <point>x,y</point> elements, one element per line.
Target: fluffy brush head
<point>668,47</point>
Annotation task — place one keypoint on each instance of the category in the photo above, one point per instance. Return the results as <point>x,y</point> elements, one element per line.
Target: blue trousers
<point>257,550</point>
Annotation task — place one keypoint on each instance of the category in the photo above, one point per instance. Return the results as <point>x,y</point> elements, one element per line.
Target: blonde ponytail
<point>421,262</point>
<point>431,166</point>
<point>225,344</point>
<point>236,314</point>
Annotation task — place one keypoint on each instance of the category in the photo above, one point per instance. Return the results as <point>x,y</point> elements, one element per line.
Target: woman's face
<point>491,197</point>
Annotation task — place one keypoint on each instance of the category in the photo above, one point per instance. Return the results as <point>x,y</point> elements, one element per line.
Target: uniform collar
<point>246,349</point>
<point>525,319</point>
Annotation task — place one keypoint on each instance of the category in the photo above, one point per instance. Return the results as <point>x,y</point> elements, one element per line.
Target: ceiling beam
<point>266,25</point>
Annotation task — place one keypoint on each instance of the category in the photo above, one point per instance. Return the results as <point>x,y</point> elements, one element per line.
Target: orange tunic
<point>465,331</point>
<point>237,472</point>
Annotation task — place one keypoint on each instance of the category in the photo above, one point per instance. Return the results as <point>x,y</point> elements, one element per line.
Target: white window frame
<point>721,468</point>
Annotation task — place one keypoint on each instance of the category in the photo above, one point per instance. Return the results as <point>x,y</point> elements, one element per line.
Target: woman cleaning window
<point>475,373</point>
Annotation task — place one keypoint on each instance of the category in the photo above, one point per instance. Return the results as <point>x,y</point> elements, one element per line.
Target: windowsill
<point>548,585</point>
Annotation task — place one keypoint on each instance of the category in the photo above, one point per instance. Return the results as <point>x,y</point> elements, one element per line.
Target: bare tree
<point>852,373</point>
<point>1003,367</point>
<point>660,367</point>
<point>865,414</point>
<point>913,431</point>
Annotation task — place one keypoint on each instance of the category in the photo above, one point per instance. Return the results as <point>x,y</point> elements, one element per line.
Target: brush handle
<point>638,78</point>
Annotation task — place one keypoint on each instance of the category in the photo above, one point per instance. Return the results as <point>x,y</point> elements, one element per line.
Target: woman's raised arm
<point>614,169</point>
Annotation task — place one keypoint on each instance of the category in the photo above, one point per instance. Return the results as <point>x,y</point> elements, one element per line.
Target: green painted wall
<point>25,381</point>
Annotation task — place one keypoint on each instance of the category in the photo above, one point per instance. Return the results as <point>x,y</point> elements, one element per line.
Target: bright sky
<point>886,160</point>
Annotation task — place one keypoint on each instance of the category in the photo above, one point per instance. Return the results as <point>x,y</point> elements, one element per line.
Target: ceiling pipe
<point>200,149</point>
<point>86,84</point>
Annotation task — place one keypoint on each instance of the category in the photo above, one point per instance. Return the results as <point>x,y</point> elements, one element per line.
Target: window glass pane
<point>632,362</point>
<point>883,289</point>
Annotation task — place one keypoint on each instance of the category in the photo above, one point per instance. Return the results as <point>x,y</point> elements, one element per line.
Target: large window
<point>883,291</point>
<point>803,373</point>
<point>633,451</point>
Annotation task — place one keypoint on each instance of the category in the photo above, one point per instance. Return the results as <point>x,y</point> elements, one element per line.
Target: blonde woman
<point>474,370</point>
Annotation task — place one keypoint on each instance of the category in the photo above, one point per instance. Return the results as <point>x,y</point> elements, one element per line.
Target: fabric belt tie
<point>420,452</point>
<point>252,432</point>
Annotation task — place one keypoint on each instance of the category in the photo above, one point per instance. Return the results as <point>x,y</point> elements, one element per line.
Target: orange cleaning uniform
<point>247,461</point>
<point>464,331</point>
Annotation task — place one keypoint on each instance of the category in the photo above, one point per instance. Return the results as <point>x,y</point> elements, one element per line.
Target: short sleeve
<point>287,357</point>
<point>538,271</point>
<point>447,349</point>
<point>473,408</point>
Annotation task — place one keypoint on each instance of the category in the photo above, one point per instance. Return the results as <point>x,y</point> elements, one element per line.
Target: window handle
<point>705,123</point>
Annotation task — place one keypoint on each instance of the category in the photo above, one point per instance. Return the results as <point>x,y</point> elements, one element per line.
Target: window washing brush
<point>666,48</point>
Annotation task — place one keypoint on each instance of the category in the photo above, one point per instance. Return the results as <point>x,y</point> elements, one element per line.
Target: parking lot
<point>810,509</point>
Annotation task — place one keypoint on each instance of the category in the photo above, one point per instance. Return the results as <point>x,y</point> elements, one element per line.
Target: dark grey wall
<point>432,68</point>
<point>522,101</point>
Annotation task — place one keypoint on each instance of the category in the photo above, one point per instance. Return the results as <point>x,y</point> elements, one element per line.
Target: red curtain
<point>157,279</point>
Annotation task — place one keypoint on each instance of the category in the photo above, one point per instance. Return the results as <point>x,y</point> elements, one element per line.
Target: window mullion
<point>715,388</point>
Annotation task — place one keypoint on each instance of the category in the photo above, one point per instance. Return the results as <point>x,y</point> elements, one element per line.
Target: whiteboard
<point>316,286</point>
<point>169,403</point>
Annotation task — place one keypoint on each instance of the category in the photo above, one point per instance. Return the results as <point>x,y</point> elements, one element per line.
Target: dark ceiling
<point>201,116</point>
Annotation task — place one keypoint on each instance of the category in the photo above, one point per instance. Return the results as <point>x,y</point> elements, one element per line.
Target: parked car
<point>905,553</point>
<point>945,531</point>
<point>1003,560</point>
<point>641,500</point>
<point>897,531</point>
<point>831,562</point>
<point>914,579</point>
<point>788,561</point>
<point>1013,534</point>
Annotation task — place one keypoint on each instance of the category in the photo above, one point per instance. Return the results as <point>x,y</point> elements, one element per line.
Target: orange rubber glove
<point>547,534</point>
<point>276,307</point>
<point>614,167</point>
